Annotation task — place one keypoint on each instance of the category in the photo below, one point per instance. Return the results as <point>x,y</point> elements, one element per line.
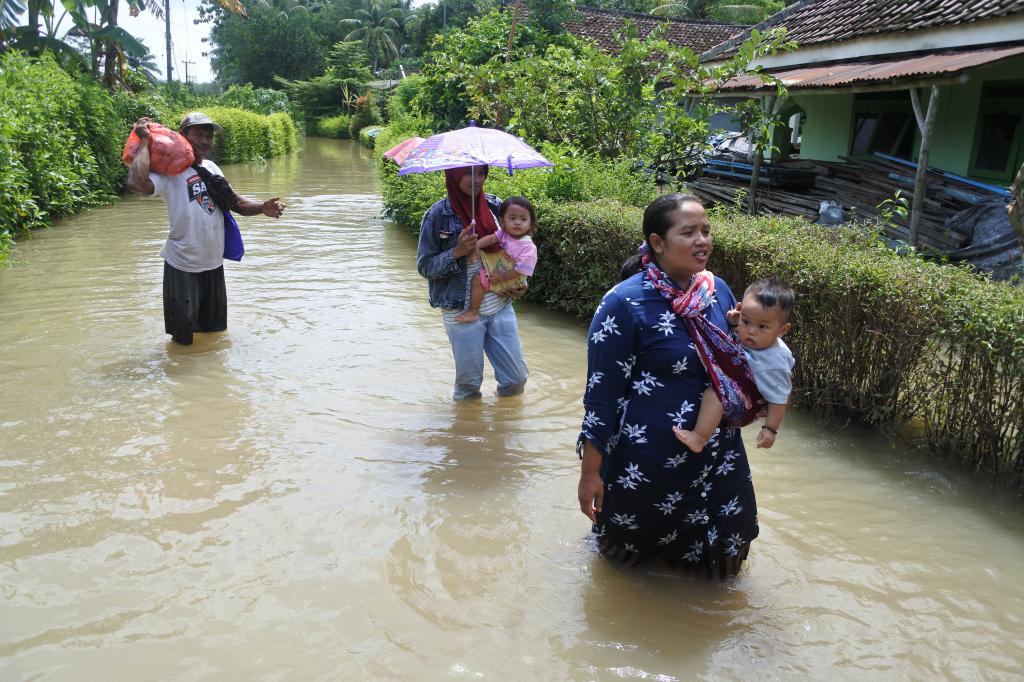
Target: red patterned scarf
<point>720,354</point>
<point>485,221</point>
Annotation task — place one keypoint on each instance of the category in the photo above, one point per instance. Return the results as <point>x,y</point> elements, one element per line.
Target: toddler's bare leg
<point>476,297</point>
<point>708,419</point>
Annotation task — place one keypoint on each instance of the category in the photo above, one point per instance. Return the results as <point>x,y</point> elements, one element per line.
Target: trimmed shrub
<point>880,338</point>
<point>334,126</point>
<point>283,138</point>
<point>250,137</point>
<point>362,119</point>
<point>368,136</point>
<point>974,377</point>
<point>59,145</point>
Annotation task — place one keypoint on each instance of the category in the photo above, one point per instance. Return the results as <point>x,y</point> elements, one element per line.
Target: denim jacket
<point>439,234</point>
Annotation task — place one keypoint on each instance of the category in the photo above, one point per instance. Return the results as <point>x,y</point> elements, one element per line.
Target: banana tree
<point>10,11</point>
<point>106,38</point>
<point>34,38</point>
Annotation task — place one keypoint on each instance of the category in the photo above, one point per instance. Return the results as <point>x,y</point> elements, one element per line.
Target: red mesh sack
<point>169,152</point>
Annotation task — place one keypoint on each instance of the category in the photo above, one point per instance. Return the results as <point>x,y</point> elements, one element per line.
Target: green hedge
<point>250,137</point>
<point>881,339</point>
<point>334,126</point>
<point>891,340</point>
<point>366,136</point>
<point>59,146</point>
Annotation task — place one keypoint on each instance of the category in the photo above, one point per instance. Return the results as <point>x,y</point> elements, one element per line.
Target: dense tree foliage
<point>257,48</point>
<point>443,96</point>
<point>336,90</point>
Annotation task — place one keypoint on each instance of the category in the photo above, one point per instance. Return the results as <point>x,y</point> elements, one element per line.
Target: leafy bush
<point>257,100</point>
<point>400,102</point>
<point>334,126</point>
<point>441,94</point>
<point>368,136</point>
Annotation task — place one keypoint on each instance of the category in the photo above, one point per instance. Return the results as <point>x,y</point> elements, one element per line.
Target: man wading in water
<point>195,299</point>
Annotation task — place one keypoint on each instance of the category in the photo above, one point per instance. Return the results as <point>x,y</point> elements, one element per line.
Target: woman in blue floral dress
<point>646,494</point>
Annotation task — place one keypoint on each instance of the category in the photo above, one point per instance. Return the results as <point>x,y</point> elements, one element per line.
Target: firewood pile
<point>860,186</point>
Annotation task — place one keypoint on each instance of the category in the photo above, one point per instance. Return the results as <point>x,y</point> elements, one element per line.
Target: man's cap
<point>198,118</point>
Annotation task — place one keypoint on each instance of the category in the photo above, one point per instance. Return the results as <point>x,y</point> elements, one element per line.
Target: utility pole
<point>167,35</point>
<point>186,63</point>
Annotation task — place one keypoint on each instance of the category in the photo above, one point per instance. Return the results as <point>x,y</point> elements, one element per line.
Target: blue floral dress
<point>643,377</point>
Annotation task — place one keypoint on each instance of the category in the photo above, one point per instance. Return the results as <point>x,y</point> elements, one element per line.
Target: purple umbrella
<point>472,146</point>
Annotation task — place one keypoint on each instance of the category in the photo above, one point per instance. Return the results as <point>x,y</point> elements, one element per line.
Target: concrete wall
<point>826,134</point>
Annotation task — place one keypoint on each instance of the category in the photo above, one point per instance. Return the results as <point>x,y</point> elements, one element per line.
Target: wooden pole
<point>512,31</point>
<point>769,107</point>
<point>752,194</point>
<point>926,124</point>
<point>1016,207</point>
<point>167,37</point>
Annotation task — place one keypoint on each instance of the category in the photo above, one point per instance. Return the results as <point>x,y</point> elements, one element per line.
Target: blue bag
<point>234,249</point>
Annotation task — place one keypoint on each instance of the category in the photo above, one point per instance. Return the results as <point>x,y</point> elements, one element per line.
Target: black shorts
<point>194,302</point>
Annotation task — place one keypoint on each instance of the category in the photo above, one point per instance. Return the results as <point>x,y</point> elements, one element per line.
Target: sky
<point>186,38</point>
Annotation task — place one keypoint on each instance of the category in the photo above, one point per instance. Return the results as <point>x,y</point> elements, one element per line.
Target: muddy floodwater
<point>299,499</point>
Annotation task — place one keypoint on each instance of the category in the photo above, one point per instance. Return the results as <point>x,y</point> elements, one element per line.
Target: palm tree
<point>377,28</point>
<point>144,64</point>
<point>749,12</point>
<point>284,8</point>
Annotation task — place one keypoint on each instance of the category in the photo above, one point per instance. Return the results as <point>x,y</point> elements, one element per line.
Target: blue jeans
<point>496,335</point>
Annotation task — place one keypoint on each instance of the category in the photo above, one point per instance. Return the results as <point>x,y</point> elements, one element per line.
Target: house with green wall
<point>851,79</point>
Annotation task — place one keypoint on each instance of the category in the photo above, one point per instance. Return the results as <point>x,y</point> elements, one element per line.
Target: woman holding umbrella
<point>448,235</point>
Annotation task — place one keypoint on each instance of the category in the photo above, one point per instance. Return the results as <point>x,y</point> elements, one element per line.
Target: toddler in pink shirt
<point>508,267</point>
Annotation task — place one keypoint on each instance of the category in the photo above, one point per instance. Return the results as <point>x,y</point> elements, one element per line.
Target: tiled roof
<point>601,25</point>
<point>810,22</point>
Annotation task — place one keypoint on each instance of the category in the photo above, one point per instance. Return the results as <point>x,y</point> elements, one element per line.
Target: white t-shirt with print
<point>195,242</point>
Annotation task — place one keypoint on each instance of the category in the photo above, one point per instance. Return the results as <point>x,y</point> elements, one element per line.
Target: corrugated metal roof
<point>875,72</point>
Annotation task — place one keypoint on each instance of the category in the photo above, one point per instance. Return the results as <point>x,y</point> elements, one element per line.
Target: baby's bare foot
<point>690,439</point>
